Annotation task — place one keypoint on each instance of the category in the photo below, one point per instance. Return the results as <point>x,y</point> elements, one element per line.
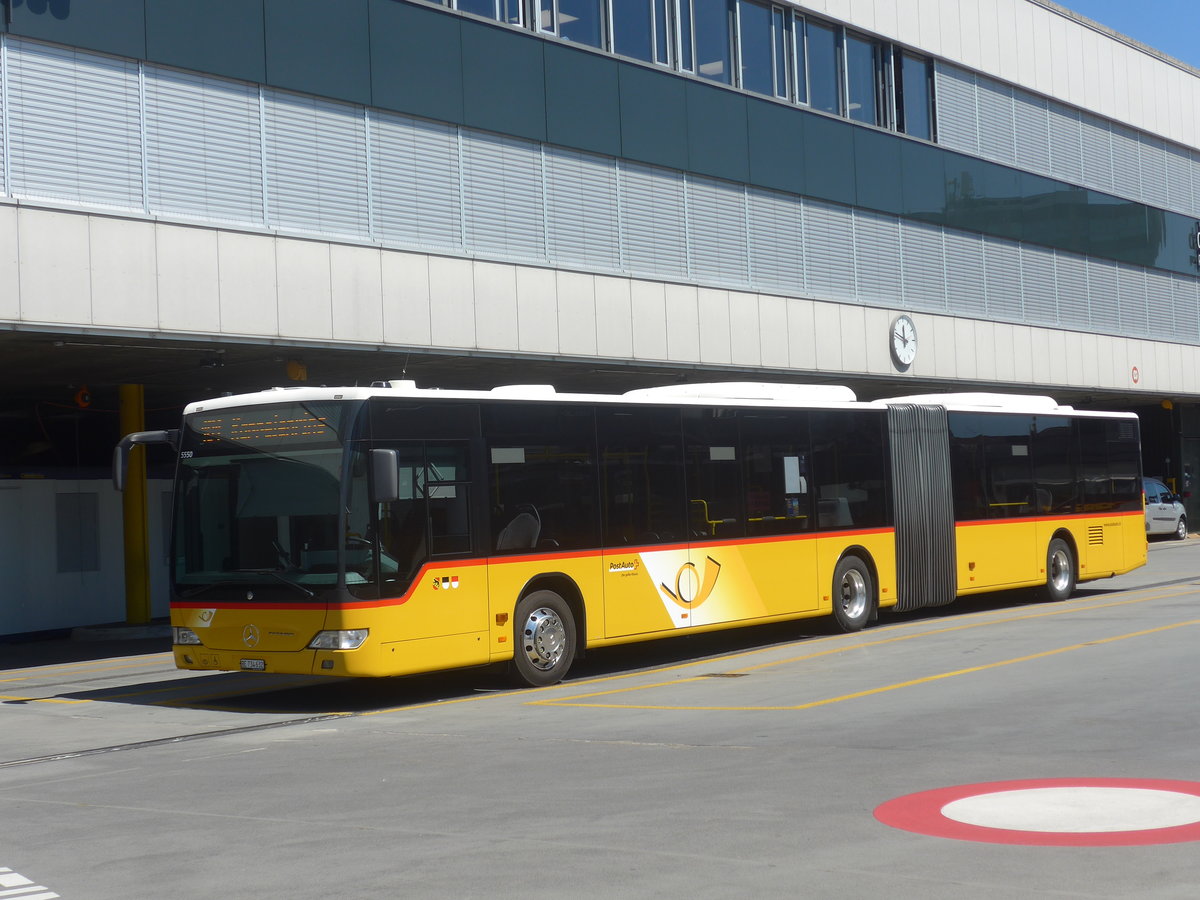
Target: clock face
<point>904,341</point>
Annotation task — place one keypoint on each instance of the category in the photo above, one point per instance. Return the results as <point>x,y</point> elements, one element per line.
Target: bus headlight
<point>339,640</point>
<point>184,636</point>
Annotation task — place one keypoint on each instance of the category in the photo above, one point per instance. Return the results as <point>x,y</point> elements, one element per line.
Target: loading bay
<point>999,748</point>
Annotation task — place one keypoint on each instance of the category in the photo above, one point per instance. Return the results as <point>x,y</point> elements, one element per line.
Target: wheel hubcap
<point>1060,570</point>
<point>853,594</point>
<point>544,639</point>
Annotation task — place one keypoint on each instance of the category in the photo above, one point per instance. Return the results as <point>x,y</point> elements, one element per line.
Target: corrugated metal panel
<point>776,241</point>
<point>1131,300</point>
<point>1153,155</point>
<point>1127,167</point>
<point>1070,276</point>
<point>996,128</point>
<point>829,251</point>
<point>957,108</point>
<point>1032,125</point>
<point>653,220</point>
<point>1179,180</point>
<point>503,195</point>
<point>416,181</point>
<point>1103,296</point>
<point>1039,293</point>
<point>923,266</point>
<point>966,290</point>
<point>1096,141</point>
<point>1185,294</point>
<point>316,165</point>
<point>877,238</point>
<point>924,510</point>
<point>581,209</point>
<point>1066,159</point>
<point>3,130</point>
<point>1002,269</point>
<point>717,231</point>
<point>1195,181</point>
<point>1160,306</point>
<point>75,126</point>
<point>203,146</point>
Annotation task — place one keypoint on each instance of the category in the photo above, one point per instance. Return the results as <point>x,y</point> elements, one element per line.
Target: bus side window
<point>642,487</point>
<point>777,472</point>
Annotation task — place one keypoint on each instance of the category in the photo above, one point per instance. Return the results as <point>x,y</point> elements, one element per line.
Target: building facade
<point>669,189</point>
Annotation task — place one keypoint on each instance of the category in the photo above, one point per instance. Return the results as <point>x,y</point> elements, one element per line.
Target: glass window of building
<point>507,11</point>
<point>756,48</point>
<point>914,96</point>
<point>824,83</point>
<point>714,40</point>
<point>662,42</point>
<point>799,63</point>
<point>781,33</point>
<point>687,37</point>
<point>578,21</point>
<point>633,28</point>
<point>864,81</point>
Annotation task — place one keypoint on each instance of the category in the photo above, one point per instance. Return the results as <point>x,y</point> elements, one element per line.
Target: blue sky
<point>1172,26</point>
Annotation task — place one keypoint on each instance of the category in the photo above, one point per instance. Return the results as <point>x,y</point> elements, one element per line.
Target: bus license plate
<point>254,665</point>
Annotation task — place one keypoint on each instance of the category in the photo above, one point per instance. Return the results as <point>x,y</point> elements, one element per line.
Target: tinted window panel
<point>641,458</point>
<point>542,490</point>
<point>579,21</point>
<point>991,465</point>
<point>633,30</point>
<point>850,468</point>
<point>914,97</point>
<point>775,460</point>
<point>756,46</point>
<point>1054,465</point>
<point>713,472</point>
<point>862,80</point>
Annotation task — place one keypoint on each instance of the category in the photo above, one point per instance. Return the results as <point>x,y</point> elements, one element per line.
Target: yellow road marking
<point>857,694</point>
<point>6,698</point>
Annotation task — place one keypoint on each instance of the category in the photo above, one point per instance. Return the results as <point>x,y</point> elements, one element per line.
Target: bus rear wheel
<point>543,639</point>
<point>853,594</point>
<point>1060,571</point>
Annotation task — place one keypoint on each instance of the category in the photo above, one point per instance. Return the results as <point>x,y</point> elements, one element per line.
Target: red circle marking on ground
<point>922,813</point>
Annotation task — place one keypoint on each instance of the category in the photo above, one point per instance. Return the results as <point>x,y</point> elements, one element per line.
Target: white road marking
<point>21,888</point>
<point>1076,809</point>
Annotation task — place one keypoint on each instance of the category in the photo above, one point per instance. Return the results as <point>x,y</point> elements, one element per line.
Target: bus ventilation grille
<point>1095,535</point>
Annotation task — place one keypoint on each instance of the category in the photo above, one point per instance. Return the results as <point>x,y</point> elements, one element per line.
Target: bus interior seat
<point>834,512</point>
<point>522,532</point>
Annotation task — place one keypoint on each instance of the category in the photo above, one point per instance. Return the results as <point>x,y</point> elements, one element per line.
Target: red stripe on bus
<point>1060,518</point>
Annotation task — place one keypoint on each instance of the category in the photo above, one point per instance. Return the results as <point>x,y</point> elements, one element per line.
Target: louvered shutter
<point>1074,305</point>
<point>1126,165</point>
<point>74,126</point>
<point>776,241</point>
<point>203,147</point>
<point>1153,155</point>
<point>1160,306</point>
<point>1066,160</point>
<point>877,242</point>
<point>416,182</point>
<point>996,128</point>
<point>1103,296</point>
<point>316,165</point>
<point>653,221</point>
<point>1002,268</point>
<point>717,226</point>
<point>1185,294</point>
<point>1131,301</point>
<point>1179,180</point>
<point>966,290</point>
<point>1032,125</point>
<point>1039,292</point>
<point>923,266</point>
<point>957,109</point>
<point>1095,140</point>
<point>581,209</point>
<point>829,251</point>
<point>502,188</point>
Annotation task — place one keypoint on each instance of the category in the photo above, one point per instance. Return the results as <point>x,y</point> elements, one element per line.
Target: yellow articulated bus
<point>391,530</point>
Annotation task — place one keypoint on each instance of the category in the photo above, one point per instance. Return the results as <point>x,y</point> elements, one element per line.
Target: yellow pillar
<point>137,533</point>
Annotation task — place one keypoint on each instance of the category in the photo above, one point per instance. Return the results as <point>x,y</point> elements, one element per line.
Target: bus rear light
<point>339,640</point>
<point>184,636</point>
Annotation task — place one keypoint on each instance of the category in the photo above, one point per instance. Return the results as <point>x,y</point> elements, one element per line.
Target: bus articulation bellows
<point>391,530</point>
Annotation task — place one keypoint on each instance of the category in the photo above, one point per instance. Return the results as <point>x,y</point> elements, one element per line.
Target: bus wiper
<point>186,595</point>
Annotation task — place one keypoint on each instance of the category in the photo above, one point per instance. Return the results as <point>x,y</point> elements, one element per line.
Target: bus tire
<point>1060,571</point>
<point>543,639</point>
<point>853,594</point>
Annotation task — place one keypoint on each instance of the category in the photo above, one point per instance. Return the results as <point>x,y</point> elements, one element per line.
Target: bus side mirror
<point>121,453</point>
<point>385,476</point>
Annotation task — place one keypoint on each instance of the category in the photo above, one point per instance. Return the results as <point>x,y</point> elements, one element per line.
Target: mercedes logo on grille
<point>250,635</point>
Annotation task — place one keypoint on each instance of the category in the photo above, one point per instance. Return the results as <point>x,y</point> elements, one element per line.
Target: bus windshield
<point>258,502</point>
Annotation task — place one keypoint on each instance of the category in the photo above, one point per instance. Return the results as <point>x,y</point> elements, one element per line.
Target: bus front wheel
<point>1060,571</point>
<point>853,594</point>
<point>543,639</point>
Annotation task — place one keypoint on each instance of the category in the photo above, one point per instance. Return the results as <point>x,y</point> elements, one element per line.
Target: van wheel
<point>853,594</point>
<point>543,639</point>
<point>1181,531</point>
<point>1060,571</point>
